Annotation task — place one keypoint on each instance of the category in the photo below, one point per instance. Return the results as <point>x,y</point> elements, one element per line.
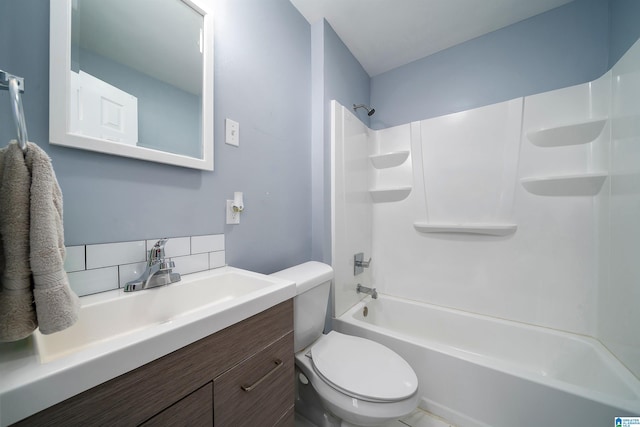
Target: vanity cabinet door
<point>288,419</point>
<point>194,410</point>
<point>258,391</point>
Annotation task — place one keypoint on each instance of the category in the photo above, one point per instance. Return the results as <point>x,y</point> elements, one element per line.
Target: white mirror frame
<point>60,95</point>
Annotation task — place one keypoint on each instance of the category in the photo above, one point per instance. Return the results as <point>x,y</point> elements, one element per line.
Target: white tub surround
<point>477,209</point>
<point>469,165</point>
<point>503,209</point>
<point>619,293</point>
<point>526,210</point>
<point>351,215</point>
<point>476,370</point>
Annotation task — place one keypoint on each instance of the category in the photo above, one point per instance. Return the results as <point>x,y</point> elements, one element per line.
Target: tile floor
<point>417,418</point>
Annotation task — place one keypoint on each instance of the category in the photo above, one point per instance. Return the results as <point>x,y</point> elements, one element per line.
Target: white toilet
<point>342,380</point>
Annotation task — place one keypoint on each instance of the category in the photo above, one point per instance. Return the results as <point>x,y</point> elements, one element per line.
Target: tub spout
<point>365,290</point>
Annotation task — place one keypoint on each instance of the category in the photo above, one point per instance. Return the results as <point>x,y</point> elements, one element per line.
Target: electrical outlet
<point>232,217</point>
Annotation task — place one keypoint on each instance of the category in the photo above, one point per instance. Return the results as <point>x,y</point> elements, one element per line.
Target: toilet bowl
<point>358,380</point>
<point>354,381</point>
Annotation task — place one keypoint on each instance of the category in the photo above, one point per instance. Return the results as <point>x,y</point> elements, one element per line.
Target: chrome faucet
<point>158,273</point>
<point>365,290</point>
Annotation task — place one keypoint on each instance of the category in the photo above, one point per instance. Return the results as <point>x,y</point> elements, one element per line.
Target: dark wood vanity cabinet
<point>258,401</point>
<point>242,375</point>
<point>194,410</point>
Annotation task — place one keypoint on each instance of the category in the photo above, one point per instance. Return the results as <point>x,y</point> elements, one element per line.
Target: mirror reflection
<point>136,73</point>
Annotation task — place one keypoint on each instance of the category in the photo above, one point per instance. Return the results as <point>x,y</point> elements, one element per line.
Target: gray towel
<point>17,313</point>
<point>56,306</point>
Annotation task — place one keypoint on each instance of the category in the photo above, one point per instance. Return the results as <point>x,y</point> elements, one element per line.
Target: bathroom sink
<point>108,316</point>
<point>119,331</point>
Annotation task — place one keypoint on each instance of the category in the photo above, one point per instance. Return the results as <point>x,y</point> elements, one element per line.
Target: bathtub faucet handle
<point>359,264</point>
<point>364,264</point>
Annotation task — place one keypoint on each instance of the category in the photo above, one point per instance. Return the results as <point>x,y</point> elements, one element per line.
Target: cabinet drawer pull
<point>250,387</point>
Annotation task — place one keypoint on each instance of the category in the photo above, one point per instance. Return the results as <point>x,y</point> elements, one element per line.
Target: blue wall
<point>624,27</point>
<point>565,46</point>
<point>262,80</point>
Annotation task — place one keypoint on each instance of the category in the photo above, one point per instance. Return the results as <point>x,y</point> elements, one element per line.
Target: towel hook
<point>15,85</point>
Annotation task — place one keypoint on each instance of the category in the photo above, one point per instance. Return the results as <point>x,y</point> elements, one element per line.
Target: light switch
<point>233,132</point>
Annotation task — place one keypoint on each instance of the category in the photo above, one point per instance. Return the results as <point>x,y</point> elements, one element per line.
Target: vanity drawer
<point>258,391</point>
<point>194,410</point>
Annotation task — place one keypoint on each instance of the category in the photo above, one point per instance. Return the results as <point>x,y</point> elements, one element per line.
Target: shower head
<point>370,111</point>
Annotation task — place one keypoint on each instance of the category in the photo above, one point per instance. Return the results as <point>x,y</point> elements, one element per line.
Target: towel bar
<point>15,86</point>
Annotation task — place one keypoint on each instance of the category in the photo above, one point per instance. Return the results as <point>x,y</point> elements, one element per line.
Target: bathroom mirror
<point>133,78</point>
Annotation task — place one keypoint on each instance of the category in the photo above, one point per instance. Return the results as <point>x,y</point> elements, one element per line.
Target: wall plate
<point>232,217</point>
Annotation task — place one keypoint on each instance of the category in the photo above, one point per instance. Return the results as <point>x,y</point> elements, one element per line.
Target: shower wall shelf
<point>389,160</point>
<point>385,195</point>
<point>585,184</point>
<point>467,228</point>
<point>572,134</point>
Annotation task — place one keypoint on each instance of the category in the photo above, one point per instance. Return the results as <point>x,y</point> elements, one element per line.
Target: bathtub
<point>477,370</point>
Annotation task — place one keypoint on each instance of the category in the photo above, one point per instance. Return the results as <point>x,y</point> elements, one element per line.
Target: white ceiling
<point>385,34</point>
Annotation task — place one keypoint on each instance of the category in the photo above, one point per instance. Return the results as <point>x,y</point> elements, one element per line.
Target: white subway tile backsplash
<point>129,272</point>
<point>74,260</point>
<point>216,259</point>
<point>92,281</point>
<point>175,246</point>
<point>209,243</point>
<point>104,267</point>
<point>191,263</point>
<point>110,254</point>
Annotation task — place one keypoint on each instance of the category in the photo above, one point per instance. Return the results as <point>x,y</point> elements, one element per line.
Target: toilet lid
<point>363,368</point>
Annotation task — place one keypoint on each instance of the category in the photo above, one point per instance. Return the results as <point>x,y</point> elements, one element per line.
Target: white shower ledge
<point>385,195</point>
<point>389,160</point>
<point>489,229</point>
<point>570,134</point>
<point>584,184</point>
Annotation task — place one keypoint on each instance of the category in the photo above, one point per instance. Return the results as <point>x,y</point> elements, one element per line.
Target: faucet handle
<point>364,264</point>
<point>359,264</point>
<point>167,265</point>
<point>157,251</point>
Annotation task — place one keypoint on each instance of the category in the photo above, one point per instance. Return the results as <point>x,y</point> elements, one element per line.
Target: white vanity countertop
<point>28,386</point>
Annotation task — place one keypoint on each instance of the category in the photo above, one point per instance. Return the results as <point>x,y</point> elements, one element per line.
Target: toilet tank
<point>313,283</point>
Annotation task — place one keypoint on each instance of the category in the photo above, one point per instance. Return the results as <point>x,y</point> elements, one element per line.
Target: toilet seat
<point>362,368</point>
